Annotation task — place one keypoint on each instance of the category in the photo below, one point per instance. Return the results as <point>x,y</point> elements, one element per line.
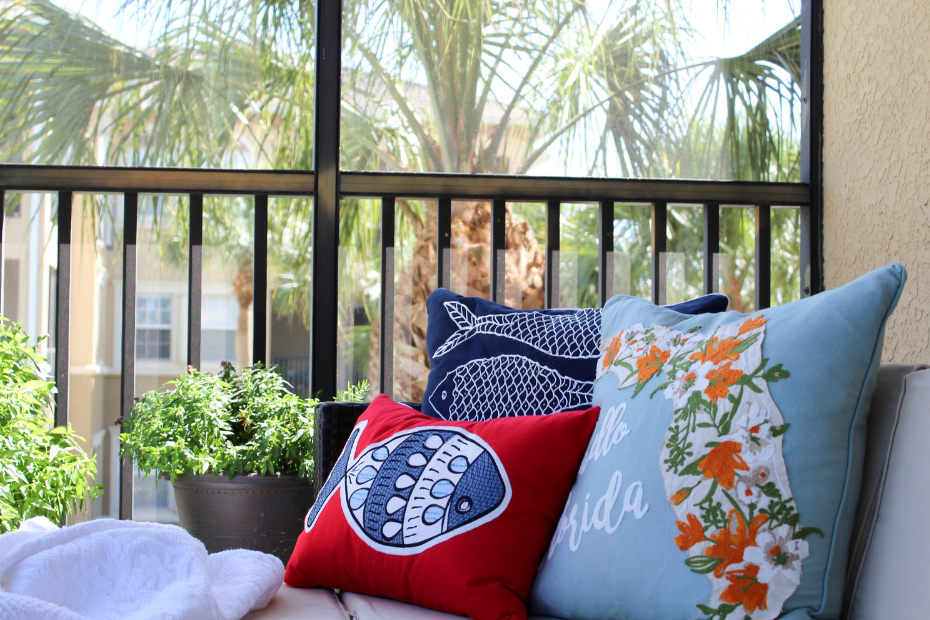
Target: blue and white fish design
<point>417,488</point>
<point>507,385</point>
<point>576,335</point>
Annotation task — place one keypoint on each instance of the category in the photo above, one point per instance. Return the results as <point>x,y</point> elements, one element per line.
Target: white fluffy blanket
<point>132,571</point>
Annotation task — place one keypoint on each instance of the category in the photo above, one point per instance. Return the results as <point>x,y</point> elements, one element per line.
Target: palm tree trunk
<point>243,287</point>
<point>470,227</point>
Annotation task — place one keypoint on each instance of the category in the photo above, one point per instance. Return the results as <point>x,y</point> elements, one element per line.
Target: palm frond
<point>761,92</point>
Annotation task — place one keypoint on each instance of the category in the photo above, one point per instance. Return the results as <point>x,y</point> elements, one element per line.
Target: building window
<point>11,289</point>
<point>153,328</point>
<point>218,331</point>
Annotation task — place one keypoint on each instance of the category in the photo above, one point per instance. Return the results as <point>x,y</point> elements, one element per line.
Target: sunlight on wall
<point>877,156</point>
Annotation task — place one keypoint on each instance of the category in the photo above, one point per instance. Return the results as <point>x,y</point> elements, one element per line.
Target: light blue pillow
<point>722,478</point>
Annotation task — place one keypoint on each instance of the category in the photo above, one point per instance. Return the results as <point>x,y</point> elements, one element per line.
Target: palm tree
<point>465,86</point>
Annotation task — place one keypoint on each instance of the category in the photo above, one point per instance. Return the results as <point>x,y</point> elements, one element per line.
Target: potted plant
<point>43,471</point>
<point>238,448</point>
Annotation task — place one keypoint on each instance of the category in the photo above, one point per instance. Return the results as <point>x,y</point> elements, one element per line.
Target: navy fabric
<point>489,361</point>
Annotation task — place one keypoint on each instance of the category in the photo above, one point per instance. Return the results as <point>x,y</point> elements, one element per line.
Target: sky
<point>746,21</point>
<point>722,28</point>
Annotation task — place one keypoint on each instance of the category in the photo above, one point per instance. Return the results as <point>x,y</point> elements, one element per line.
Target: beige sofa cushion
<point>363,607</point>
<point>895,574</point>
<point>301,604</point>
<point>882,422</point>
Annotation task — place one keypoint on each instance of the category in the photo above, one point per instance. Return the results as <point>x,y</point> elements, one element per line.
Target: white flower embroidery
<point>754,431</point>
<point>676,342</point>
<point>686,382</point>
<point>747,487</point>
<point>633,342</point>
<point>777,555</point>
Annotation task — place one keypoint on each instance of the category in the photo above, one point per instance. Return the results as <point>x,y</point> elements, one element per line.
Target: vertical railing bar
<point>128,363</point>
<point>811,217</point>
<point>324,309</point>
<point>443,243</point>
<point>606,274</point>
<point>260,282</point>
<point>498,250</point>
<point>388,204</point>
<point>553,235</point>
<point>194,279</point>
<point>711,248</point>
<point>763,256</point>
<point>659,249</point>
<point>63,308</point>
<point>3,307</point>
<point>804,259</point>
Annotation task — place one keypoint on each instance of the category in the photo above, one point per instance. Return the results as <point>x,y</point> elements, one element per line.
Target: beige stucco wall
<point>877,155</point>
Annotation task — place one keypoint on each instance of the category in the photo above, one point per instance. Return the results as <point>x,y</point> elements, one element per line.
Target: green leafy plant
<point>353,393</point>
<point>43,471</point>
<point>233,422</point>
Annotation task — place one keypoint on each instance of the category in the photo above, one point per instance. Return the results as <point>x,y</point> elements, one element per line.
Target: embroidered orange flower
<point>721,378</point>
<point>692,533</point>
<point>612,349</point>
<point>746,590</point>
<point>754,323</point>
<point>718,351</point>
<point>681,496</point>
<point>722,462</point>
<point>730,543</point>
<point>650,363</point>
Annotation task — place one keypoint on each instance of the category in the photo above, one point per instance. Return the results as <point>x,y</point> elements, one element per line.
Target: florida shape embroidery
<point>721,459</point>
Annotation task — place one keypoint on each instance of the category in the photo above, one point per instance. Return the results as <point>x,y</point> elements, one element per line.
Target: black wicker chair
<point>332,425</point>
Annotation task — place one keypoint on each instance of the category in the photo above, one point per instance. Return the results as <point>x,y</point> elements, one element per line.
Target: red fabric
<point>484,573</point>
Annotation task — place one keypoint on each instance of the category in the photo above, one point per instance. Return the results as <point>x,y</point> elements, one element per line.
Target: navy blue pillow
<point>489,361</point>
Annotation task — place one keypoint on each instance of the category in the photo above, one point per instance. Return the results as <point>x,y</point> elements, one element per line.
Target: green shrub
<point>43,471</point>
<point>226,423</point>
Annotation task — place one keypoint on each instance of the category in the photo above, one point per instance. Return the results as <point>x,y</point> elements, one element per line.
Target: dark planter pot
<point>263,513</point>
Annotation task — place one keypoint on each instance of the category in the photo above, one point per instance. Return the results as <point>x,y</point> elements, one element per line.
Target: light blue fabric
<point>830,346</point>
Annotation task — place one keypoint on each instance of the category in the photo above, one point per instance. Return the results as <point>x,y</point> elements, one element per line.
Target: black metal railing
<point>296,371</point>
<point>328,186</point>
<point>441,188</point>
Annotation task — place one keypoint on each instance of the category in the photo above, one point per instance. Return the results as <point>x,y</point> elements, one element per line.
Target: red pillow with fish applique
<point>453,516</point>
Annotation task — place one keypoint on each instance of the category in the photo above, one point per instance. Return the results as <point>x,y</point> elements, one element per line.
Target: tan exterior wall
<point>877,155</point>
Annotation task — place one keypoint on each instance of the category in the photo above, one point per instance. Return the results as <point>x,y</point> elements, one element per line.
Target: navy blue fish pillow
<point>488,360</point>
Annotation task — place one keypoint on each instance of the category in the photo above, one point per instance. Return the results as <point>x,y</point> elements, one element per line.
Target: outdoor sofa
<point>889,567</point>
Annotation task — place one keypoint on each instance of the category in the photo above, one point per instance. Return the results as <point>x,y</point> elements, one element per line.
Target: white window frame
<point>159,323</point>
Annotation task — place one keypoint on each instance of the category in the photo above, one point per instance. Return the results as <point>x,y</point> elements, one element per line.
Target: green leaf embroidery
<point>804,532</point>
<point>692,469</point>
<point>770,490</point>
<point>702,564</point>
<point>779,430</point>
<point>745,344</point>
<point>775,373</point>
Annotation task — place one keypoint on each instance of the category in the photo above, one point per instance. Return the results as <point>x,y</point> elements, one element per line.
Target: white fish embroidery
<point>417,488</point>
<point>576,335</point>
<point>506,385</point>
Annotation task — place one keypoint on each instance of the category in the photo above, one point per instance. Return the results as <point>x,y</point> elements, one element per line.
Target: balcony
<point>124,318</point>
<point>301,219</point>
<point>306,215</point>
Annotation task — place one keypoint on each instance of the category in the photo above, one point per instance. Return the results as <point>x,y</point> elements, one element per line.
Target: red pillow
<point>453,516</point>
